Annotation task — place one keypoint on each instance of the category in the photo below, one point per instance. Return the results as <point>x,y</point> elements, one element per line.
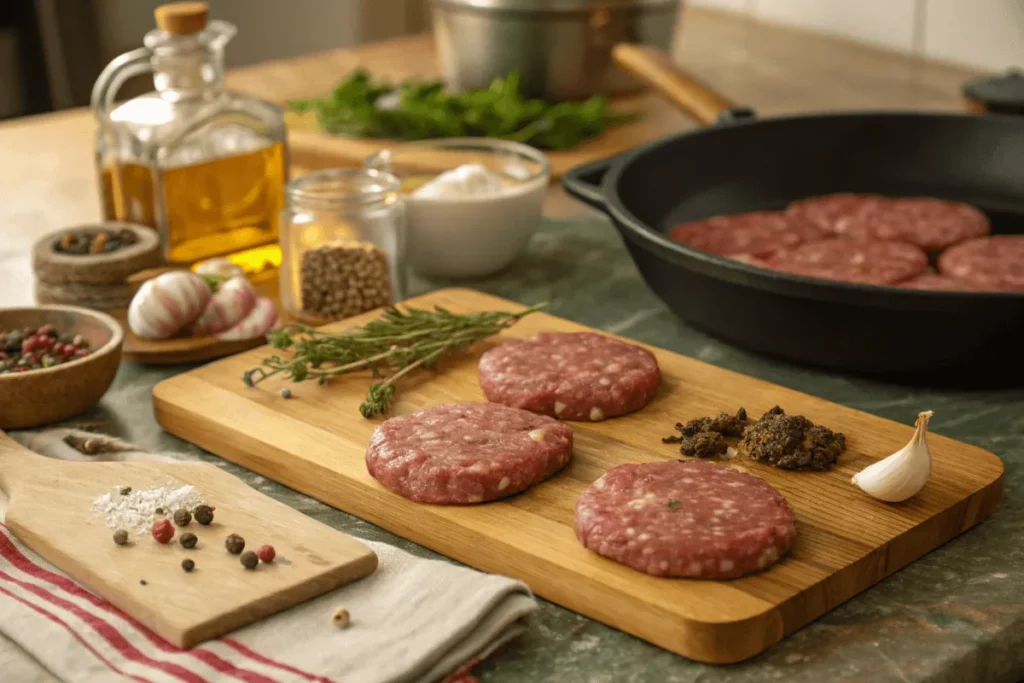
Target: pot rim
<point>554,6</point>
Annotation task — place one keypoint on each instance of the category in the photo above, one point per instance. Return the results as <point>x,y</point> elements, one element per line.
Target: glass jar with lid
<point>342,244</point>
<point>204,166</point>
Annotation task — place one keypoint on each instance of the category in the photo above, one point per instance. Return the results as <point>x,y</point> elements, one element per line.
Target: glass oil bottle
<point>204,166</point>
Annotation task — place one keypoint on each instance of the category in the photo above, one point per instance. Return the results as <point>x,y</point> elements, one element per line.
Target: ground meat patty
<point>867,262</point>
<point>690,519</point>
<point>941,282</point>
<point>932,224</point>
<point>758,233</point>
<point>572,376</point>
<point>466,452</point>
<point>992,263</point>
<point>826,211</point>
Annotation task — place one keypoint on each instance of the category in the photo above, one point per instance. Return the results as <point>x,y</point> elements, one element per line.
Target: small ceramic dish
<point>38,397</point>
<point>467,235</point>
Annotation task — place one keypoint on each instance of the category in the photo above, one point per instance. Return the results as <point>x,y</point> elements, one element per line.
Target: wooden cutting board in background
<point>400,58</point>
<point>315,442</point>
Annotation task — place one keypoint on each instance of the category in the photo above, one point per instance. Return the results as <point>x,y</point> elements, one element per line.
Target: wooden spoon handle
<point>684,91</point>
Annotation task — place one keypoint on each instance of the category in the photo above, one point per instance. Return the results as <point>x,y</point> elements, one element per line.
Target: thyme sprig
<point>389,347</point>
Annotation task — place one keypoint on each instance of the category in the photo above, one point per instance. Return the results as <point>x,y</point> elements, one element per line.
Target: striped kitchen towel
<point>413,619</point>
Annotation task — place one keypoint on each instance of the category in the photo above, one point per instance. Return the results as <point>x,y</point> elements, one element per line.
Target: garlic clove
<point>904,473</point>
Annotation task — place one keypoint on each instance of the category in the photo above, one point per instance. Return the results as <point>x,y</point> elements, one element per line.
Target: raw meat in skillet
<point>758,233</point>
<point>932,224</point>
<point>687,519</point>
<point>572,376</point>
<point>466,452</point>
<point>867,262</point>
<point>936,282</point>
<point>827,210</point>
<point>993,263</point>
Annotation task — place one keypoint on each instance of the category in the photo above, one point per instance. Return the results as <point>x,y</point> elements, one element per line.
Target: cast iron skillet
<point>742,163</point>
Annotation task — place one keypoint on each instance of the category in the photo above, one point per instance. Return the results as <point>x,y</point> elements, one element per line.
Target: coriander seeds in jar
<point>342,244</point>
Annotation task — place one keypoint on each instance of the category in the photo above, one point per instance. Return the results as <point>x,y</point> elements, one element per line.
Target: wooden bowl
<point>39,397</point>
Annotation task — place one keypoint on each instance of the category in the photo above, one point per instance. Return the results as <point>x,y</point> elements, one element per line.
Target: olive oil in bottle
<point>204,166</point>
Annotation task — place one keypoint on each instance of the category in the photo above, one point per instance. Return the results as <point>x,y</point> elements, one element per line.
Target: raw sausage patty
<point>994,263</point>
<point>932,224</point>
<point>758,233</point>
<point>466,452</point>
<point>867,262</point>
<point>688,519</point>
<point>826,211</point>
<point>571,376</point>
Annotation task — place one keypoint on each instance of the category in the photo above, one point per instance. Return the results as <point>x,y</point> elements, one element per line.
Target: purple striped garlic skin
<point>232,301</point>
<point>258,323</point>
<point>167,304</point>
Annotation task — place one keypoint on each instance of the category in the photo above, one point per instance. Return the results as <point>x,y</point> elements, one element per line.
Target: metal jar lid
<point>1004,93</point>
<point>553,6</point>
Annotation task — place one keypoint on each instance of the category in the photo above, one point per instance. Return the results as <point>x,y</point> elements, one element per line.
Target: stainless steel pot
<point>560,48</point>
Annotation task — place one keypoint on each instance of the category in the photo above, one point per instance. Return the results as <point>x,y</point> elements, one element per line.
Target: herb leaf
<point>388,348</point>
<point>673,504</point>
<point>415,110</point>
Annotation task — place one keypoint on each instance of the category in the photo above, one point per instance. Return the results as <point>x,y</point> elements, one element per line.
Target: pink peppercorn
<point>163,530</point>
<point>266,553</point>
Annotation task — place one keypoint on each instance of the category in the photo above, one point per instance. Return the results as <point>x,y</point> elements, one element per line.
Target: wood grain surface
<point>50,511</point>
<point>315,442</point>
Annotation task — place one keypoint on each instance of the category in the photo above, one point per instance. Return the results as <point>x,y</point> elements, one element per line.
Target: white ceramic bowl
<point>467,236</point>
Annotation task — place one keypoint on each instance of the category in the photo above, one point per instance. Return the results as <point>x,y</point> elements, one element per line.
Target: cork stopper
<point>182,18</point>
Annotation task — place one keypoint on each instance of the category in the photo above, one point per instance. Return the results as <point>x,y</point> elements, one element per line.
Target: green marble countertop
<point>955,615</point>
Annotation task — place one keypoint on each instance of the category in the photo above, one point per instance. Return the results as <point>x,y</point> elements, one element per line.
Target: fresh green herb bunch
<point>418,110</point>
<point>389,348</point>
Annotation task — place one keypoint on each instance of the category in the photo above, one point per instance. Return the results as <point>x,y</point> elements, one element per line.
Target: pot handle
<point>693,97</point>
<point>584,181</point>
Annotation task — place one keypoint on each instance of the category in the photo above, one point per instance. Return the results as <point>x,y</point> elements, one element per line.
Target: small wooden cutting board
<point>50,510</point>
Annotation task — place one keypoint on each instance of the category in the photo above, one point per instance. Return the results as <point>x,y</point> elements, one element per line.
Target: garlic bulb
<point>219,266</point>
<point>166,304</point>
<point>904,473</point>
<point>256,323</point>
<point>231,302</point>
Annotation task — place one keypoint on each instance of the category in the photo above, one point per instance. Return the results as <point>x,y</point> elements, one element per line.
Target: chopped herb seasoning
<point>188,565</point>
<point>188,540</point>
<point>704,437</point>
<point>673,504</point>
<point>203,514</point>
<point>249,560</point>
<point>791,442</point>
<point>234,544</point>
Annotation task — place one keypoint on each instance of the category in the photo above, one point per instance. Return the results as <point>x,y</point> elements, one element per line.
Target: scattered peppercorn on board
<point>51,510</point>
<point>846,541</point>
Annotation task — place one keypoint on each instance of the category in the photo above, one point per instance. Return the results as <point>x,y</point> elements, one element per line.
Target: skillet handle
<point>691,96</point>
<point>584,181</point>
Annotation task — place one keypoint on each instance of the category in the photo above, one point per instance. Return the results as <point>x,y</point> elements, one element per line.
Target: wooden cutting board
<point>50,510</point>
<point>315,443</point>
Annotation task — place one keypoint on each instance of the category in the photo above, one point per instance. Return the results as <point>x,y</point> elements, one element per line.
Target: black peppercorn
<point>188,540</point>
<point>188,565</point>
<point>235,544</point>
<point>142,582</point>
<point>159,511</point>
<point>249,560</point>
<point>203,514</point>
<point>182,517</point>
<point>120,537</point>
<point>125,490</point>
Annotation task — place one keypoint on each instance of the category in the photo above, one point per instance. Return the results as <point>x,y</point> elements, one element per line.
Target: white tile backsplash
<point>983,33</point>
<point>986,34</point>
<point>888,23</point>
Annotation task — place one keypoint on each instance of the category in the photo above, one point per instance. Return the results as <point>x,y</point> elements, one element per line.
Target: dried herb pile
<point>361,106</point>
